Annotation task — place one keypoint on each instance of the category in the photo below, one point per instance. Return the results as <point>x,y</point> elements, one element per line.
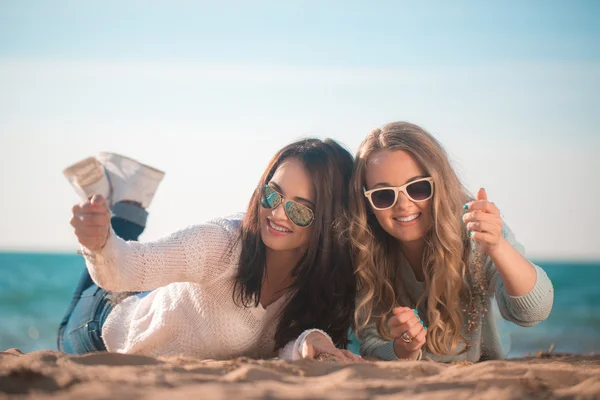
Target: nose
<point>278,212</point>
<point>403,201</point>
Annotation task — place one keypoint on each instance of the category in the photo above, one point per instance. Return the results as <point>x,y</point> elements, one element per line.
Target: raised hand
<point>408,331</point>
<point>483,221</point>
<point>91,221</point>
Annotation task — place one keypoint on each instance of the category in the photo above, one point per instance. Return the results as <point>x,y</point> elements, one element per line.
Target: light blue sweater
<point>483,343</point>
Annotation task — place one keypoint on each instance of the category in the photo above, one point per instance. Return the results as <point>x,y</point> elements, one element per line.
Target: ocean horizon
<point>36,289</point>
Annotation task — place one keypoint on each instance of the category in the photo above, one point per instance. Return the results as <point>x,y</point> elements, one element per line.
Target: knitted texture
<point>190,309</point>
<point>484,341</point>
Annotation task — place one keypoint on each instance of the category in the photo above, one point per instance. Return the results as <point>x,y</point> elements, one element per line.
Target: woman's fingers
<point>410,326</point>
<point>406,321</point>
<point>399,310</point>
<point>414,330</point>
<point>342,355</point>
<point>484,237</point>
<point>483,221</point>
<point>482,205</point>
<point>98,200</point>
<point>481,194</point>
<point>94,219</point>
<point>419,339</point>
<point>486,230</point>
<point>339,354</point>
<point>91,222</point>
<point>476,216</point>
<point>352,357</point>
<point>90,225</point>
<point>484,226</point>
<point>402,317</point>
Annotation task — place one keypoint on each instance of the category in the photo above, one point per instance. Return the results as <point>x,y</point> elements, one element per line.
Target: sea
<point>36,289</point>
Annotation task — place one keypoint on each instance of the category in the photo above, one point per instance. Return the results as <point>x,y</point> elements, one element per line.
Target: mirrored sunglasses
<point>299,214</point>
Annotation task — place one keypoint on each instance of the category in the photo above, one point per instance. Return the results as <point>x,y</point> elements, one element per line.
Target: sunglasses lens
<point>419,190</point>
<point>269,198</point>
<point>299,214</point>
<point>383,198</point>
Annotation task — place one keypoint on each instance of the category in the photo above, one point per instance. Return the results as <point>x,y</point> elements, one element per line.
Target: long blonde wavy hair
<point>445,259</point>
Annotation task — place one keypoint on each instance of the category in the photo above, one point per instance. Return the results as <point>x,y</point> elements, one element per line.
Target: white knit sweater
<point>190,309</point>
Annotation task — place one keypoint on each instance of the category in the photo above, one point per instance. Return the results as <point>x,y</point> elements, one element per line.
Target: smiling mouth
<point>278,228</point>
<point>409,218</point>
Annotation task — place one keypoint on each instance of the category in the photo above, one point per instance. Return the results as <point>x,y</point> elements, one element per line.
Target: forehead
<point>391,167</point>
<point>294,180</point>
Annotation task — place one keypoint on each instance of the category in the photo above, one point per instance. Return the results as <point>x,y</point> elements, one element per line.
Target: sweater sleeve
<point>526,310</point>
<point>373,345</point>
<point>193,254</point>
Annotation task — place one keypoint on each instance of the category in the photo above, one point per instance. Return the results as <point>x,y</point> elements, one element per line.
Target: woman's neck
<point>413,252</point>
<point>278,274</point>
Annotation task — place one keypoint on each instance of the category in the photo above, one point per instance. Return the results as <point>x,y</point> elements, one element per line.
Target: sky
<point>209,91</point>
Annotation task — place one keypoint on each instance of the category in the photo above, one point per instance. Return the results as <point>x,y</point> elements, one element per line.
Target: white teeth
<point>409,218</point>
<point>277,228</point>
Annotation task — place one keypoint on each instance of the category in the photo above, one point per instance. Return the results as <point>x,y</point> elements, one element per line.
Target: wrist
<point>405,354</point>
<point>495,252</point>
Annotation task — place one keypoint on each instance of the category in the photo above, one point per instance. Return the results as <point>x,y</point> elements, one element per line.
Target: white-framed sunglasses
<point>386,197</point>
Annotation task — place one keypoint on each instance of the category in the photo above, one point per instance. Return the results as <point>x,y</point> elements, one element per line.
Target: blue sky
<point>209,91</point>
<point>351,33</point>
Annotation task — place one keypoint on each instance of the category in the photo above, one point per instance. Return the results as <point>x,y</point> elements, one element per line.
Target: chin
<point>406,235</point>
<point>272,243</point>
<point>411,238</point>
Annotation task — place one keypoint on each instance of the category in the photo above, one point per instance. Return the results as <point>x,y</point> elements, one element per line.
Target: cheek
<point>305,237</point>
<point>262,213</point>
<point>425,208</point>
<point>427,211</point>
<point>382,215</point>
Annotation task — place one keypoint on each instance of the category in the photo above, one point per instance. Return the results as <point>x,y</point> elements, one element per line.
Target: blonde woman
<point>429,258</point>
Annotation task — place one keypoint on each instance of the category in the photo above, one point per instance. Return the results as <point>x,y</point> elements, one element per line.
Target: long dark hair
<point>323,292</point>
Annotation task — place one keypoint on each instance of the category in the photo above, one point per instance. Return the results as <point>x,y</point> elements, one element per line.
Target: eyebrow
<point>387,184</point>
<point>298,199</point>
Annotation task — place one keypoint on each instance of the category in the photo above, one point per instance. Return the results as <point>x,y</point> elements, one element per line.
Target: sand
<point>54,375</point>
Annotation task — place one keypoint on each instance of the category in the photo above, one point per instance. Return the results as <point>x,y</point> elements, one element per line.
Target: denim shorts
<point>83,331</point>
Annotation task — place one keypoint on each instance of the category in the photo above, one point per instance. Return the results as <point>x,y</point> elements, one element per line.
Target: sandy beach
<point>54,375</point>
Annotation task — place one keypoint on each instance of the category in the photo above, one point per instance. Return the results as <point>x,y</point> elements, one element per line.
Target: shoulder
<point>220,229</point>
<point>229,224</point>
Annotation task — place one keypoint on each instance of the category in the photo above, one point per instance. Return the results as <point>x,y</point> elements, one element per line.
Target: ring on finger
<point>475,226</point>
<point>405,338</point>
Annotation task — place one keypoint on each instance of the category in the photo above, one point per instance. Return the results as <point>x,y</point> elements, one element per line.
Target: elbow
<point>544,311</point>
<point>537,313</point>
<point>103,281</point>
<point>534,307</point>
